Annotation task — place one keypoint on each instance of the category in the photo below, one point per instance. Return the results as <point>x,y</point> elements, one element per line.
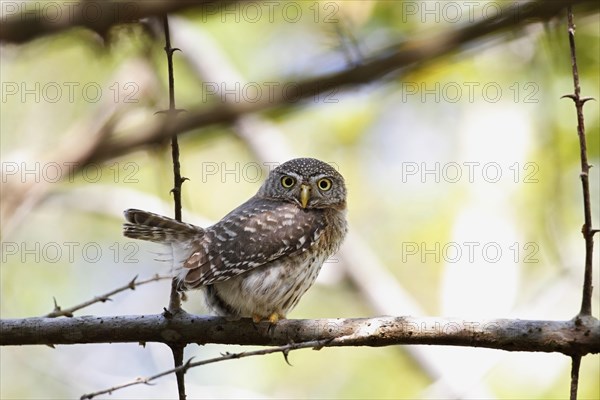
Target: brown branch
<point>68,312</point>
<point>575,337</point>
<point>575,364</point>
<point>21,22</point>
<point>587,230</point>
<point>172,112</point>
<point>315,344</point>
<point>174,298</point>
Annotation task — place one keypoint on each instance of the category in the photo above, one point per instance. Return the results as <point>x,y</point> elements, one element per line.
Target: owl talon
<point>256,318</point>
<point>272,318</point>
<point>275,317</point>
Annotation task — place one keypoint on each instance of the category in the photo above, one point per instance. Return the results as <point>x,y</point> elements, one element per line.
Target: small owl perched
<point>264,255</point>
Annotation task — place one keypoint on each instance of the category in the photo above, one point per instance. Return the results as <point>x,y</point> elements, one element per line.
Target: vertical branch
<point>575,364</point>
<point>174,299</point>
<point>177,180</point>
<point>586,230</point>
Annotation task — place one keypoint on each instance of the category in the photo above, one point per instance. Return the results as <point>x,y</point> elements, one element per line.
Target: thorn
<point>186,366</point>
<point>594,231</point>
<point>145,381</point>
<point>586,99</point>
<point>285,353</point>
<point>324,343</point>
<point>569,96</point>
<point>51,346</point>
<point>183,179</point>
<point>103,299</point>
<point>167,314</point>
<point>132,283</point>
<point>56,306</point>
<point>143,344</point>
<point>173,50</point>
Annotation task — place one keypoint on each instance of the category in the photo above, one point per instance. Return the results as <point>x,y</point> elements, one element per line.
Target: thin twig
<point>316,344</point>
<point>174,298</point>
<point>587,230</point>
<point>68,312</point>
<point>575,364</point>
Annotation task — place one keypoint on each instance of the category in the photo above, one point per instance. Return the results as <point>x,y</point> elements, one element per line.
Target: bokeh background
<point>463,178</point>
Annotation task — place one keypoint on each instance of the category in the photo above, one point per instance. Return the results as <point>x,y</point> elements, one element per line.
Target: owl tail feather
<point>145,225</point>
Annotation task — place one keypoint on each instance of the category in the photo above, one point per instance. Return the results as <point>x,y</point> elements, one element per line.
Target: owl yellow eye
<point>324,184</point>
<point>287,181</point>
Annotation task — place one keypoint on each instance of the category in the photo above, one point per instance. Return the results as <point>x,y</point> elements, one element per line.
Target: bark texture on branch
<point>579,336</point>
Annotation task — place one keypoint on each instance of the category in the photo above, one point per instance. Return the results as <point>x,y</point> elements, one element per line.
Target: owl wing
<point>257,232</point>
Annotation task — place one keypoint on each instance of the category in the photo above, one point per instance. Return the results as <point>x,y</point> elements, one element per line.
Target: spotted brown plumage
<point>264,255</point>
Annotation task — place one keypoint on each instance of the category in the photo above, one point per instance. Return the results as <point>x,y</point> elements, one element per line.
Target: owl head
<point>306,182</point>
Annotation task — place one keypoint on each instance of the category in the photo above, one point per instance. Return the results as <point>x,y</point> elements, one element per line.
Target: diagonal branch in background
<point>134,283</point>
<point>575,337</point>
<point>402,55</point>
<point>19,197</point>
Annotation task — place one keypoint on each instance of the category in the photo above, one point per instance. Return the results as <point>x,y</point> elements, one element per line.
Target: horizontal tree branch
<point>579,336</point>
<point>22,22</point>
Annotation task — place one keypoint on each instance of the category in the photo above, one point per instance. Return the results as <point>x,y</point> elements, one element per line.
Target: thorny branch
<point>575,364</point>
<point>68,312</point>
<point>315,344</point>
<point>174,297</point>
<point>587,230</point>
<point>578,336</point>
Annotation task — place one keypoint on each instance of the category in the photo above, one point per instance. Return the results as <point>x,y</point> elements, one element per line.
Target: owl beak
<point>304,195</point>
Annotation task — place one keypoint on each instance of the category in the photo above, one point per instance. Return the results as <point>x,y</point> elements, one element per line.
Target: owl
<point>264,255</point>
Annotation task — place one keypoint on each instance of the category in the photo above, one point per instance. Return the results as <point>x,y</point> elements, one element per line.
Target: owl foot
<point>273,318</point>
